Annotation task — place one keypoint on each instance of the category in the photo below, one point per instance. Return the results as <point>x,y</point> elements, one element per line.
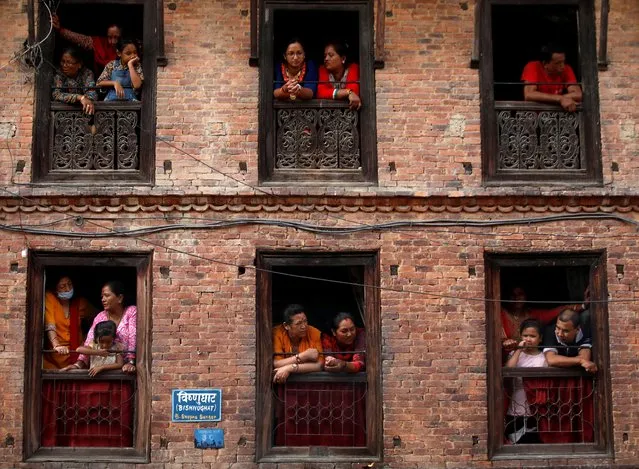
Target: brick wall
<point>428,125</point>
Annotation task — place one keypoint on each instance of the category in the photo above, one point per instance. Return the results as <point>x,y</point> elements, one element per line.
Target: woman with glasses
<point>296,345</point>
<point>74,83</point>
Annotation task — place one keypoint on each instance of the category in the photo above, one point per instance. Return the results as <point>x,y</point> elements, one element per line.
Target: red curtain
<point>87,413</point>
<point>564,408</point>
<point>321,414</point>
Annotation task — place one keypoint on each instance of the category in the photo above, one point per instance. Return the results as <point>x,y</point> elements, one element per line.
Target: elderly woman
<point>296,345</point>
<point>103,48</point>
<point>76,84</point>
<point>345,348</point>
<point>295,77</point>
<point>124,317</point>
<point>63,314</point>
<point>338,78</point>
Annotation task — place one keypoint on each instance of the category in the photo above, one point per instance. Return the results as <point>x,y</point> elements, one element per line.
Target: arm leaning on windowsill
<point>310,355</point>
<point>282,373</point>
<point>567,101</point>
<point>583,359</point>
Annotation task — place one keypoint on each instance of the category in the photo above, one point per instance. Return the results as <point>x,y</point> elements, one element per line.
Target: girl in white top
<point>520,428</point>
<point>105,353</point>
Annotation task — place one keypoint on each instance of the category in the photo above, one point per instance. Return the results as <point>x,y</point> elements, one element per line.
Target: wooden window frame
<point>367,173</point>
<point>153,55</point>
<point>39,261</point>
<point>590,138</point>
<point>265,452</point>
<point>603,436</point>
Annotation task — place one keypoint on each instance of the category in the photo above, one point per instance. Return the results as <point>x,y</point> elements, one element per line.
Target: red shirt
<point>356,353</point>
<point>535,72</point>
<point>325,89</point>
<point>103,53</point>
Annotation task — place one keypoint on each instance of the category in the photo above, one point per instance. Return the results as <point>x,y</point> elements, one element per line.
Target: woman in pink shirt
<point>123,316</point>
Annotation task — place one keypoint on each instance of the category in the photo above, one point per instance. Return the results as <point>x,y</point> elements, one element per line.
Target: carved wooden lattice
<point>545,140</point>
<point>309,138</point>
<point>108,142</point>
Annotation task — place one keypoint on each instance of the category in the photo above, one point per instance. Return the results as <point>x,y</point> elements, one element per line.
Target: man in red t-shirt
<point>551,80</point>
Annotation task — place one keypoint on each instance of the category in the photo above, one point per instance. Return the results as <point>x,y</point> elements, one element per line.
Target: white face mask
<point>65,295</point>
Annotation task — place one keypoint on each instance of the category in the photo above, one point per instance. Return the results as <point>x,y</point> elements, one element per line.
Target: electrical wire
<point>136,234</point>
<point>34,47</point>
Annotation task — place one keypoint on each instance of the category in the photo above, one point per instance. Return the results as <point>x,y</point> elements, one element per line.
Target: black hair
<point>290,311</point>
<point>546,52</point>
<point>341,48</point>
<point>535,324</point>
<point>123,42</point>
<point>117,288</point>
<point>114,25</point>
<point>293,40</point>
<point>568,315</point>
<point>77,55</point>
<point>339,317</point>
<point>104,329</point>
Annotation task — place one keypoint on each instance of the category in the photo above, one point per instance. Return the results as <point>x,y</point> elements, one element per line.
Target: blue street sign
<point>196,405</point>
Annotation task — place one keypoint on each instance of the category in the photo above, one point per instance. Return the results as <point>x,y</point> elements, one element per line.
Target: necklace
<point>299,76</point>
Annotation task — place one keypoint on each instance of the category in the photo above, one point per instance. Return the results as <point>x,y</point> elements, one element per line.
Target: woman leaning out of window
<point>339,78</point>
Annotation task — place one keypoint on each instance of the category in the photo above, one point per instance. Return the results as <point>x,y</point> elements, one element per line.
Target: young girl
<point>104,352</point>
<point>124,74</point>
<point>520,428</point>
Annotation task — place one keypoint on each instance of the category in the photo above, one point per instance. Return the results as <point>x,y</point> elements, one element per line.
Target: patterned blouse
<point>66,89</point>
<point>117,65</point>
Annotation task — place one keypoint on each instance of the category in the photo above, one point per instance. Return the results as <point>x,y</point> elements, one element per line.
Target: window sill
<point>126,455</point>
<point>541,451</point>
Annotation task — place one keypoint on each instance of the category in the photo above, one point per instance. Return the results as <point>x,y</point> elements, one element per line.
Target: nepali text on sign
<point>196,405</point>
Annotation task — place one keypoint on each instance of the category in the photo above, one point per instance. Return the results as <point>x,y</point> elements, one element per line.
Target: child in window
<point>123,75</point>
<point>104,352</point>
<point>521,427</point>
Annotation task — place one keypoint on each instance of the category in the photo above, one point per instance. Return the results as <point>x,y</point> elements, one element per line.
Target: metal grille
<point>539,140</point>
<point>88,412</point>
<point>320,414</point>
<point>549,410</point>
<point>313,136</point>
<point>107,141</point>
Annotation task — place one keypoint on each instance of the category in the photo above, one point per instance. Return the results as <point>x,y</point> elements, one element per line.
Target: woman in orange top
<point>62,317</point>
<point>296,345</point>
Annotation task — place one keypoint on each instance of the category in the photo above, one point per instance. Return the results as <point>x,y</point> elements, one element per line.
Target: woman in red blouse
<point>345,349</point>
<point>338,78</point>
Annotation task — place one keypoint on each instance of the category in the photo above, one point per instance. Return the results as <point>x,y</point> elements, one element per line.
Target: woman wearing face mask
<point>63,314</point>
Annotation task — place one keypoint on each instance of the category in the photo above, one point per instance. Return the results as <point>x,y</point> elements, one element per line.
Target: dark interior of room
<point>322,300</point>
<point>519,32</point>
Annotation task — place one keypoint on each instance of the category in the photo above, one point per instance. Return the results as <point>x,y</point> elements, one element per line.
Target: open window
<point>318,140</point>
<point>537,410</point>
<point>334,415</point>
<point>527,142</point>
<point>68,414</point>
<point>117,143</point>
